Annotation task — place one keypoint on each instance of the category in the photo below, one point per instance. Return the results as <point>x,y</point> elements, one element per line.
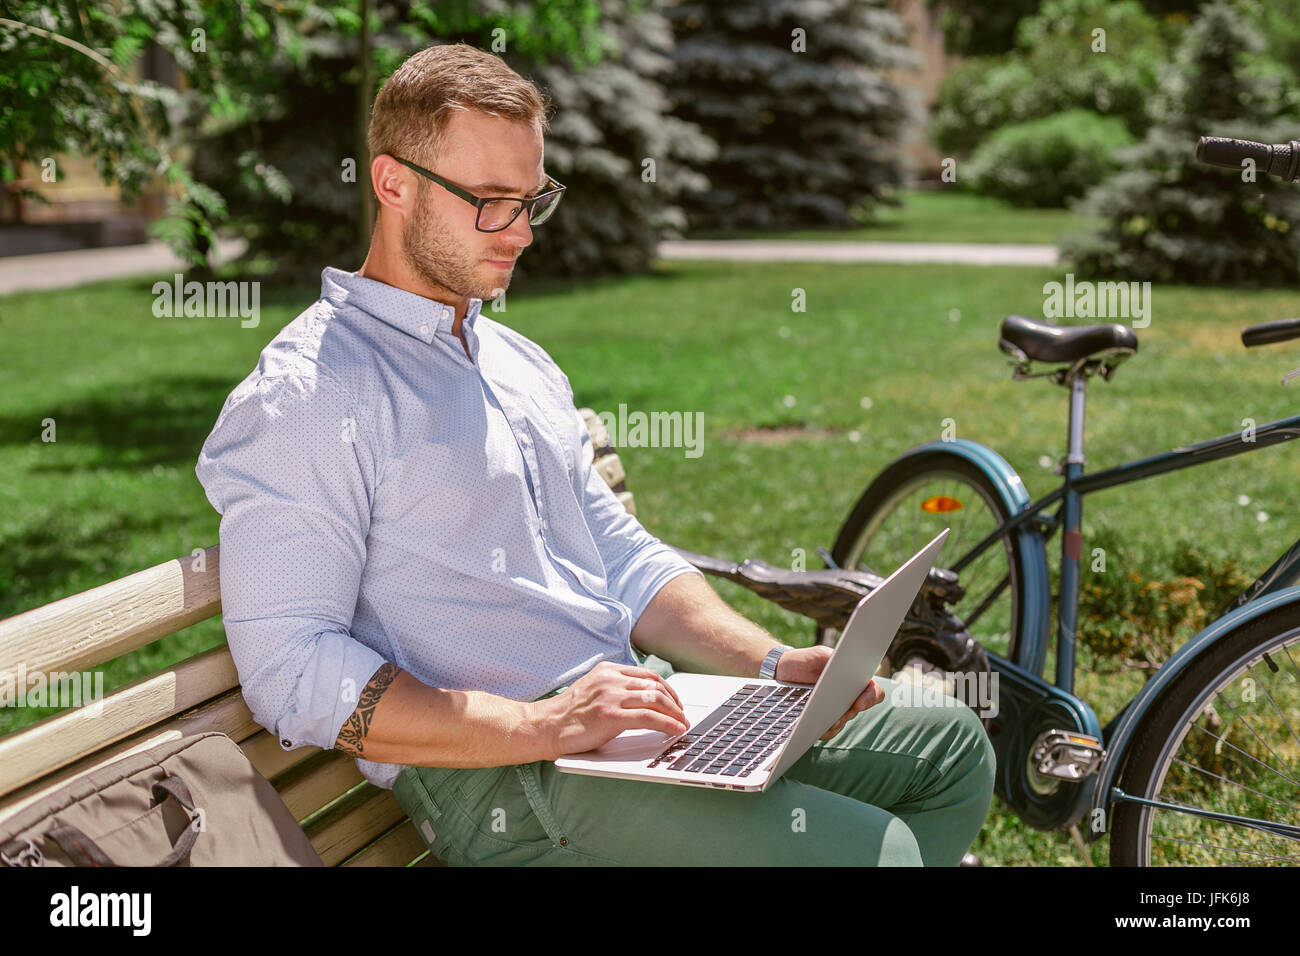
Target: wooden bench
<point>350,821</point>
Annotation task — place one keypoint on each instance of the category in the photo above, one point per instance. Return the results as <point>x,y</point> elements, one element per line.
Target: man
<point>421,567</point>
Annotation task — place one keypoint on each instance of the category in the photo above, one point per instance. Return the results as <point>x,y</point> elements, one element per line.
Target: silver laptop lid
<point>861,648</point>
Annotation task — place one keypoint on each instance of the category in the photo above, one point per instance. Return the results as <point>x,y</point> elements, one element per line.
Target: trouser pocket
<point>423,797</point>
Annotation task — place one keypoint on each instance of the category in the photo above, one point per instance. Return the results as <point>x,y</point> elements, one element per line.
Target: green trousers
<point>899,785</point>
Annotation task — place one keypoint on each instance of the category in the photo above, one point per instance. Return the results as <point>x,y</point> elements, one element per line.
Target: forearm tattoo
<point>352,736</point>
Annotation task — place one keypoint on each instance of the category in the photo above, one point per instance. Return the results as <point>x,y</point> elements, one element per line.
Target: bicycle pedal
<point>1066,754</point>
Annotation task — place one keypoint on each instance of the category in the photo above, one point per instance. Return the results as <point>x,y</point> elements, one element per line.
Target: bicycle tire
<point>1161,737</point>
<point>893,482</point>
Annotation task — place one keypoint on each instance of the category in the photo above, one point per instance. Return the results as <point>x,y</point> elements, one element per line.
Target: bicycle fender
<point>1035,621</point>
<point>1178,662</point>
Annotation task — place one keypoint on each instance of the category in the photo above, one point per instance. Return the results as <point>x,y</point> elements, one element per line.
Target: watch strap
<point>767,670</point>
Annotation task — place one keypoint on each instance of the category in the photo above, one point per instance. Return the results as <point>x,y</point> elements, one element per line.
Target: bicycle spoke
<point>1264,688</point>
<point>993,596</point>
<point>1232,849</point>
<point>918,507</point>
<point>1235,783</point>
<point>1246,722</point>
<point>1247,725</point>
<point>1248,755</point>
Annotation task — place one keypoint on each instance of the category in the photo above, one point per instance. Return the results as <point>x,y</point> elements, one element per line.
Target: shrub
<point>1057,67</point>
<point>1169,218</point>
<point>1047,161</point>
<point>1133,616</point>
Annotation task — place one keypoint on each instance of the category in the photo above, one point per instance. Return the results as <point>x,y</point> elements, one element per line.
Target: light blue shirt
<point>385,498</point>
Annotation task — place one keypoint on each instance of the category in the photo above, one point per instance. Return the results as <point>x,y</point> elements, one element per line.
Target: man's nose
<point>520,232</point>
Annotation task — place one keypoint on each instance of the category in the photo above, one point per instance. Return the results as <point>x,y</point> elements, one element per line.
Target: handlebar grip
<point>1280,159</point>
<point>1266,333</point>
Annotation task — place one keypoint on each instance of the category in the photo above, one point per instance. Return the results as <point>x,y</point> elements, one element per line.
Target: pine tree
<point>626,161</point>
<point>606,119</point>
<point>795,94</point>
<point>1170,218</point>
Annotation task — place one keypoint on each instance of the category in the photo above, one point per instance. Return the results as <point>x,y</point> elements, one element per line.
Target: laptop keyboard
<point>740,734</point>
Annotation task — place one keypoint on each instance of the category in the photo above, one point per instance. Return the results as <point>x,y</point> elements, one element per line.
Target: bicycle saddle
<point>1045,342</point>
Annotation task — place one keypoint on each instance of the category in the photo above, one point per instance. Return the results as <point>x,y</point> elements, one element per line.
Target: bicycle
<point>1156,777</point>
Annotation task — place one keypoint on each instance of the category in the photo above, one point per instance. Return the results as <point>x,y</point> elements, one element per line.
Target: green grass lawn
<point>942,215</point>
<point>134,396</point>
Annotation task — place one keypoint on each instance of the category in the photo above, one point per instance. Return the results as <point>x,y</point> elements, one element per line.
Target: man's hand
<point>803,665</point>
<point>607,700</point>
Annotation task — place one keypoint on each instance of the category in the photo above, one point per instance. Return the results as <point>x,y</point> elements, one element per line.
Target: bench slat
<point>398,847</point>
<point>354,822</point>
<point>610,468</point>
<point>227,714</point>
<point>313,783</point>
<point>80,632</point>
<point>63,738</point>
<point>264,752</point>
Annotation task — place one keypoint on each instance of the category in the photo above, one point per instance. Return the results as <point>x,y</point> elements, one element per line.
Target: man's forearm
<point>688,625</point>
<point>400,720</point>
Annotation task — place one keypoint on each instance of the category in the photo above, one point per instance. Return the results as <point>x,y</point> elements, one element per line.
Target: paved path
<point>52,270</point>
<point>57,270</point>
<point>794,250</point>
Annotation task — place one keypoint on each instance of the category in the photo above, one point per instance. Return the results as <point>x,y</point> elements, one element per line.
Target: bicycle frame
<point>1282,573</point>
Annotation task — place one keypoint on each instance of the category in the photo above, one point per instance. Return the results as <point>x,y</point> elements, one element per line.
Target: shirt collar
<point>406,311</point>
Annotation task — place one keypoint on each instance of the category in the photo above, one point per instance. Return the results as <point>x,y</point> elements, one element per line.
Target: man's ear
<point>393,183</point>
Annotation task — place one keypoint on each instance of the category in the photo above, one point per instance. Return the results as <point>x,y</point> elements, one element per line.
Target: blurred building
<point>926,38</point>
<point>83,211</point>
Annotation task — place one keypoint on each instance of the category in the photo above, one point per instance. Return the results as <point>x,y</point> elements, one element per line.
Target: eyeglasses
<point>497,212</point>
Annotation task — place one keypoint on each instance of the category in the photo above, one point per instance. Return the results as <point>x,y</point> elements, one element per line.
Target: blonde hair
<point>412,110</point>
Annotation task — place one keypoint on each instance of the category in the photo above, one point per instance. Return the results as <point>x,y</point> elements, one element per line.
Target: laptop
<point>746,732</point>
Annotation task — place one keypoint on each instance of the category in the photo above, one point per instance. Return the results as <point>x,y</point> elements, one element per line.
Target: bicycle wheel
<point>1223,737</point>
<point>908,504</point>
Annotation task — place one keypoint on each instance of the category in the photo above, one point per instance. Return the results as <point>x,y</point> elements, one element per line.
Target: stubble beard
<point>437,259</point>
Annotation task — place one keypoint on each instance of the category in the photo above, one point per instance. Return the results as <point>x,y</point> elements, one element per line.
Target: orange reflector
<point>940,503</point>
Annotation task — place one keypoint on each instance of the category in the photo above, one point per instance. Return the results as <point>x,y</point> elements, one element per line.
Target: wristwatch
<point>767,669</point>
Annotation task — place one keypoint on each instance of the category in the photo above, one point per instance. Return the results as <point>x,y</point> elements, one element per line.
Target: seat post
<point>1071,537</point>
<point>1078,399</point>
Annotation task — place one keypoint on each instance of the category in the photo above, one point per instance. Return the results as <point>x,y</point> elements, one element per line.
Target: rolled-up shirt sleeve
<point>637,564</point>
<point>290,466</point>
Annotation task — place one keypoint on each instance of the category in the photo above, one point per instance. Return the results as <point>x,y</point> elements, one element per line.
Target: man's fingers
<point>651,685</point>
<point>873,695</point>
<point>651,720</point>
<point>648,674</point>
<point>654,697</point>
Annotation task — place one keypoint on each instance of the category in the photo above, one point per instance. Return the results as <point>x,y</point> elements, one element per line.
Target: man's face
<point>489,156</point>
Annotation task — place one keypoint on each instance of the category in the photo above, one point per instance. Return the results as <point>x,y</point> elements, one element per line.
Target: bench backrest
<point>350,821</point>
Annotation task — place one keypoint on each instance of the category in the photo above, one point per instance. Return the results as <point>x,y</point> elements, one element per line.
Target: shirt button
<point>286,743</point>
<point>424,330</point>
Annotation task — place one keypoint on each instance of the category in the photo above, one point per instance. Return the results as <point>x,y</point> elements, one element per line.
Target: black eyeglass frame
<point>480,201</point>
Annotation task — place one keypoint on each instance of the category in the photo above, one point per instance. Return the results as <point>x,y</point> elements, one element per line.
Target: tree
<point>1169,218</point>
<point>73,84</point>
<point>797,97</point>
<point>609,113</point>
<point>627,161</point>
<point>980,28</point>
<point>1061,62</point>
